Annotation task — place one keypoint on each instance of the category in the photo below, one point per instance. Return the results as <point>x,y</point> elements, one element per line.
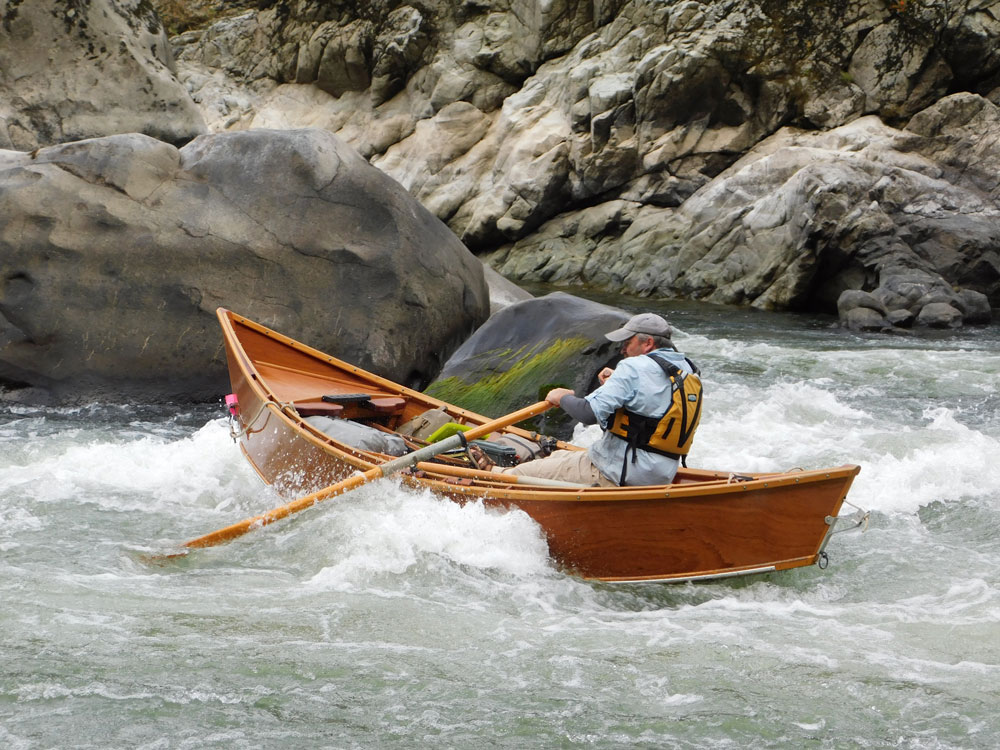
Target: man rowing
<point>649,407</point>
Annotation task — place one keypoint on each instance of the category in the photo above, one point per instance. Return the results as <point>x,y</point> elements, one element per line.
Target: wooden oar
<point>486,475</point>
<point>384,470</point>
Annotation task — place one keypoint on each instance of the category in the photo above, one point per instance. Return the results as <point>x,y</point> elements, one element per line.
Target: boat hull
<point>706,525</point>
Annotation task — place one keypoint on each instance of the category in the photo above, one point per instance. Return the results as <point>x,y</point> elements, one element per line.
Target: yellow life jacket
<point>671,433</point>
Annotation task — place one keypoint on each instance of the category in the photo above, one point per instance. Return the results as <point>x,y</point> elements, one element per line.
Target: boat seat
<point>386,404</point>
<point>319,409</point>
<point>333,405</point>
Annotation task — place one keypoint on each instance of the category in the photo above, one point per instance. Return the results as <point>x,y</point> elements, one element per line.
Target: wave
<point>125,469</point>
<point>388,529</point>
<point>911,454</point>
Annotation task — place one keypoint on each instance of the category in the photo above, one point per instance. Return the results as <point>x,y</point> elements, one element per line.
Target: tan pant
<point>569,466</point>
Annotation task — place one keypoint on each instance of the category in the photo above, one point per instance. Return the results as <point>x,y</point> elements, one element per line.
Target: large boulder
<point>863,311</point>
<point>939,315</point>
<point>116,252</point>
<point>74,70</point>
<point>526,349</point>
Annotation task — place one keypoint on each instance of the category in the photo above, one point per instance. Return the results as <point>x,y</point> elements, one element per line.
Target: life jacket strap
<point>632,444</point>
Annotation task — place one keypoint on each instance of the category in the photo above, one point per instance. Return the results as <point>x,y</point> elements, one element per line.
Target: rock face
<point>121,249</point>
<point>803,218</point>
<point>595,142</point>
<point>72,70</point>
<point>775,154</point>
<point>526,349</point>
<point>502,291</point>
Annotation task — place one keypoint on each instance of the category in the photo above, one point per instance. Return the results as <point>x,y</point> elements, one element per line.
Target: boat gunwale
<point>227,318</point>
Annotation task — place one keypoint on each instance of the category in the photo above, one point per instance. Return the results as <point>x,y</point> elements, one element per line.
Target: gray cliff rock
<point>769,153</point>
<point>803,218</point>
<point>73,70</point>
<point>578,141</point>
<point>121,249</point>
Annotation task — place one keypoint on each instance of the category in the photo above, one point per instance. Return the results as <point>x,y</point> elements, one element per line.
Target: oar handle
<point>383,470</point>
<point>461,439</point>
<point>513,418</point>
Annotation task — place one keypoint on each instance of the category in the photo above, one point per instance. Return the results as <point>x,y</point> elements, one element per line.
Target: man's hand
<point>604,374</point>
<point>555,395</point>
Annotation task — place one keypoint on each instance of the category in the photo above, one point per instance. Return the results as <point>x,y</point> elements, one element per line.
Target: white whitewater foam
<point>386,528</point>
<point>875,408</point>
<point>125,473</point>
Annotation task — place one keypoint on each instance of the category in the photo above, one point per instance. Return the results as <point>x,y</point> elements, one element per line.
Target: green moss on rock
<point>510,379</point>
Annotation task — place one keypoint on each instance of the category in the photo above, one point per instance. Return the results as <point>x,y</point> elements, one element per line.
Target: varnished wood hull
<point>705,525</point>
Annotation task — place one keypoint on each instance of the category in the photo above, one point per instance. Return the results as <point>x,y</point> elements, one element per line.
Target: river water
<point>390,619</point>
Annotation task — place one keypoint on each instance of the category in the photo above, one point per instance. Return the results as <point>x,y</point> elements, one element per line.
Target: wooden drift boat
<point>705,525</point>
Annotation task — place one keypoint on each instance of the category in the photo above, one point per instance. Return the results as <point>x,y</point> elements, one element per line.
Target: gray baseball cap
<point>649,323</point>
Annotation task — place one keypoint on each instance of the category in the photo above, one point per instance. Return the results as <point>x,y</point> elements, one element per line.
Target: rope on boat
<point>859,518</point>
<point>863,516</point>
<point>238,428</point>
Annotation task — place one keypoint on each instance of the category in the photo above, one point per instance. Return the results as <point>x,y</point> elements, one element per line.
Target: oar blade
<point>228,533</point>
